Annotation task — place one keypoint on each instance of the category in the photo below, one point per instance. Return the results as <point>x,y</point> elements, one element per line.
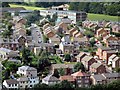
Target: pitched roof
<point>98,77</point>
<point>12,81</point>
<point>111,75</point>
<point>27,68</point>
<point>116,58</point>
<point>5,50</point>
<point>81,54</point>
<point>112,56</point>
<point>58,66</point>
<point>23,79</point>
<point>96,65</point>
<point>111,51</point>
<point>80,74</point>
<point>50,78</point>
<point>105,48</point>
<point>67,77</point>
<point>87,58</point>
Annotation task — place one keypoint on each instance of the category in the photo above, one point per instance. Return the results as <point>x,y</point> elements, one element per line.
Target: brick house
<point>101,33</point>
<point>80,56</point>
<point>88,61</point>
<point>107,54</point>
<point>68,68</point>
<point>82,79</point>
<point>97,68</point>
<point>100,50</point>
<point>116,28</point>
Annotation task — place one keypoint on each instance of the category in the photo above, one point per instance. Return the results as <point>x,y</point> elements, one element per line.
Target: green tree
<point>56,74</point>
<point>61,71</point>
<point>67,57</point>
<point>79,66</point>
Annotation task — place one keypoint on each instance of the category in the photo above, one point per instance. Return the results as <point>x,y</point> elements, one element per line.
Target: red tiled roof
<point>66,77</point>
<point>79,73</point>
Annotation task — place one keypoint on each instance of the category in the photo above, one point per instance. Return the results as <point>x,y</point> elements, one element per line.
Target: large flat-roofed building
<point>73,15</point>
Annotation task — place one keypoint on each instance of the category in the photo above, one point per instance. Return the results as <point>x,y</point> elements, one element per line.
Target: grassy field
<point>27,7</point>
<point>102,17</point>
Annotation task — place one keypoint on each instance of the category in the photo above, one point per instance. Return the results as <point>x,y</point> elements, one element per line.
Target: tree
<point>65,84</point>
<point>56,73</point>
<point>117,69</point>
<point>5,4</point>
<point>67,57</point>
<point>26,56</point>
<point>79,66</point>
<point>61,71</point>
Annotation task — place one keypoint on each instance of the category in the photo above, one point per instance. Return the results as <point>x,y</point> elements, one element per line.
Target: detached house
<point>11,84</point>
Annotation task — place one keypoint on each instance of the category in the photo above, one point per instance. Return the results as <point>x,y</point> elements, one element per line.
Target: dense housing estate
<point>50,52</point>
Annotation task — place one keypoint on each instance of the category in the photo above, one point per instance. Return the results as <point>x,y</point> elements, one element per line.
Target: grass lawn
<point>100,17</point>
<point>27,7</point>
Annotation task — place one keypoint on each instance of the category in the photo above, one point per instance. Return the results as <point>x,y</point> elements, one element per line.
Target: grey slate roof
<point>12,81</point>
<point>58,66</point>
<point>96,65</point>
<point>27,68</point>
<point>98,77</point>
<point>111,75</point>
<point>50,78</point>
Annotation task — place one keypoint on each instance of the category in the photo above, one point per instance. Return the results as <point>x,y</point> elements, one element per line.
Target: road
<point>36,34</point>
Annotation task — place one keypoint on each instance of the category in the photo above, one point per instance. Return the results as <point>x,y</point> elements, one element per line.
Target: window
<point>34,81</point>
<point>30,85</point>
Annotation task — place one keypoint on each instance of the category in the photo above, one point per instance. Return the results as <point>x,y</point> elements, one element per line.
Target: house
<point>80,56</point>
<point>28,82</point>
<point>98,79</point>
<point>46,26</point>
<point>110,77</point>
<point>66,39</point>
<point>19,19</point>
<point>114,60</point>
<point>61,7</point>
<point>79,35</point>
<point>68,68</point>
<point>116,28</point>
<point>64,26</point>
<point>49,47</point>
<point>11,83</point>
<point>100,50</point>
<point>19,32</point>
<point>88,61</point>
<point>97,68</point>
<point>114,44</point>
<point>49,32</point>
<point>69,78</point>
<point>50,80</point>
<point>83,41</point>
<point>7,53</point>
<point>107,54</point>
<point>101,32</point>
<point>10,45</point>
<point>109,38</point>
<point>66,47</point>
<point>55,40</point>
<point>82,79</point>
<point>27,73</point>
<point>23,82</point>
<point>72,30</point>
